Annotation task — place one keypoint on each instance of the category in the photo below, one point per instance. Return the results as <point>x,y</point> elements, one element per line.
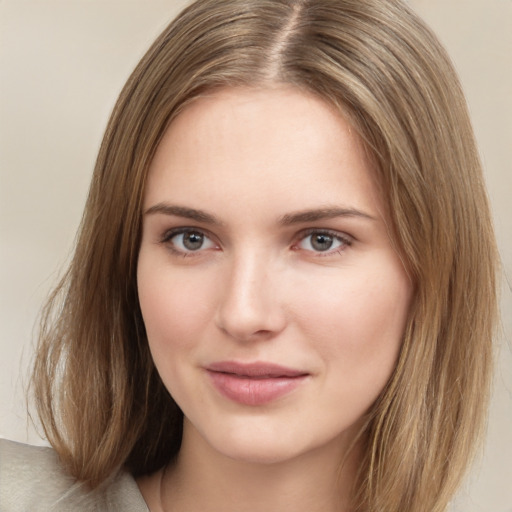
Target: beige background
<point>62,64</point>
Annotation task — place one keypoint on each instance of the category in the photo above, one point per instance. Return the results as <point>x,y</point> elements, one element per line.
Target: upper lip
<point>255,369</point>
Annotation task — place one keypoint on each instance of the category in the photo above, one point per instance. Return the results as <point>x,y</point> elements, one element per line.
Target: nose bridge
<point>250,302</point>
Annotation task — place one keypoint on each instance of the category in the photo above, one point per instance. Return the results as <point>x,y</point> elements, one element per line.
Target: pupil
<point>322,242</point>
<point>193,241</point>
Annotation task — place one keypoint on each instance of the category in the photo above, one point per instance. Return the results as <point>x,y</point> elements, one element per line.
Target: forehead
<point>262,144</point>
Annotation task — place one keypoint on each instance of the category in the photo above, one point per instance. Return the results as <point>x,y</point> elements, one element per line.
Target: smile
<point>255,383</point>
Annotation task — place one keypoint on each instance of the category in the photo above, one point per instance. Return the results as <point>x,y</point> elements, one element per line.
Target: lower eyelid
<point>166,239</point>
<point>345,240</point>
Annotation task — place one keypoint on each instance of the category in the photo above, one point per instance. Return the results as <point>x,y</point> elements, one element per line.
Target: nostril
<point>250,325</point>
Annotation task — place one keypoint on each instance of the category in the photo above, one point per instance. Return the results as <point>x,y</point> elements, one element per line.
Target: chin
<point>260,453</point>
<point>261,444</point>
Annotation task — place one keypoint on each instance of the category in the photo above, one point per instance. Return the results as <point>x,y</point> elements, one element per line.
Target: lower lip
<point>254,391</point>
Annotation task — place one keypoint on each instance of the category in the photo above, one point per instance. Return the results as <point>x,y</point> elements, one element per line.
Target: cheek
<point>174,305</point>
<point>359,331</point>
<point>357,319</point>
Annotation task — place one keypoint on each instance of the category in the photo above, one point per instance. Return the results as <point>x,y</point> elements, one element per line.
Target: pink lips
<point>254,383</point>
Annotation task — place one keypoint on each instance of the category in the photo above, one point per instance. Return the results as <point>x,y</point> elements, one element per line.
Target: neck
<point>203,480</point>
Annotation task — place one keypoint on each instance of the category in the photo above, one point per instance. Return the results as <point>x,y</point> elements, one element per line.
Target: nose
<point>250,307</point>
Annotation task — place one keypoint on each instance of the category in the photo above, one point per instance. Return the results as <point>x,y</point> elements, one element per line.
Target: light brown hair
<point>98,394</point>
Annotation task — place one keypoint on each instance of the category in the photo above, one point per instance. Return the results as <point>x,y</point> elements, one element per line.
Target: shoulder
<point>32,478</point>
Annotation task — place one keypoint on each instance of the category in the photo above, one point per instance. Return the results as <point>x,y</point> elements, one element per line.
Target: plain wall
<point>62,65</point>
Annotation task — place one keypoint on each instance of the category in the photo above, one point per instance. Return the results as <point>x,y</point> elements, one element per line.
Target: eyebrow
<point>322,214</point>
<point>182,211</point>
<point>288,219</point>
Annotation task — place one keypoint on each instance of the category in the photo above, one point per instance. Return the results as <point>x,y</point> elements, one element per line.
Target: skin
<point>262,287</point>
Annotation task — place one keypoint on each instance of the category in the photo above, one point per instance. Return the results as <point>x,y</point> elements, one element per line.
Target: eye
<point>323,242</point>
<point>188,240</point>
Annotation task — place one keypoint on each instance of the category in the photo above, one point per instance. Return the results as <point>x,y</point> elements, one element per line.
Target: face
<point>273,300</point>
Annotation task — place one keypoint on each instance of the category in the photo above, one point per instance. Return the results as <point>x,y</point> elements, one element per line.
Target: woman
<point>287,233</point>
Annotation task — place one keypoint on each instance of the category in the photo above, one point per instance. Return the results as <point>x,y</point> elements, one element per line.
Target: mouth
<point>256,383</point>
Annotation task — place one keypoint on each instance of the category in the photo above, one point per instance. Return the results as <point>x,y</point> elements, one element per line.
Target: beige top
<point>32,480</point>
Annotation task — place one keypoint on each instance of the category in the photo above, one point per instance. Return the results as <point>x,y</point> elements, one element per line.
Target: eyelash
<point>344,239</point>
<point>169,235</point>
